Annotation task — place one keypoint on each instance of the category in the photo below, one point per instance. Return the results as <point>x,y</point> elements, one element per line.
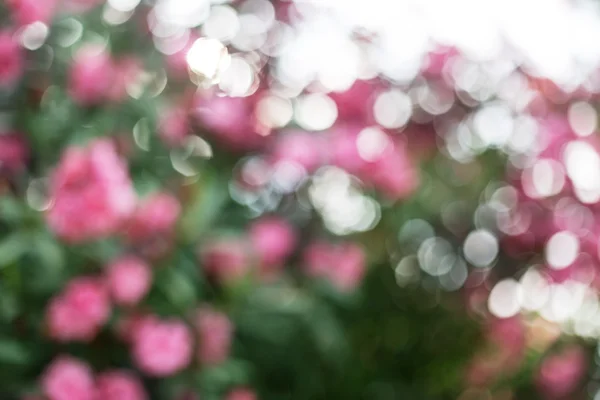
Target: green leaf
<point>13,247</point>
<point>14,352</point>
<point>177,287</point>
<point>209,196</point>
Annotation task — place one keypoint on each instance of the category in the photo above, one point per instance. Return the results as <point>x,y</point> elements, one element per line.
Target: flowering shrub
<point>191,207</point>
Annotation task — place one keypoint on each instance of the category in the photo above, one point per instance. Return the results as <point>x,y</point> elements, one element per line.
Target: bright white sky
<point>559,39</point>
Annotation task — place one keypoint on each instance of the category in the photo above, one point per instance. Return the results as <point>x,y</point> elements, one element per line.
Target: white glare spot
<point>274,112</point>
<point>371,143</point>
<point>480,248</point>
<point>316,112</point>
<point>222,24</point>
<point>123,5</point>
<point>536,290</point>
<point>562,249</point>
<point>505,298</point>
<point>182,13</point>
<point>238,79</point>
<point>392,109</point>
<point>34,35</point>
<point>583,118</point>
<point>341,203</point>
<point>207,58</point>
<point>583,167</point>
<point>494,124</point>
<point>547,179</point>
<point>436,256</point>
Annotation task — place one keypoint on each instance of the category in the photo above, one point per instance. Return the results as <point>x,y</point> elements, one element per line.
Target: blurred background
<point>299,199</point>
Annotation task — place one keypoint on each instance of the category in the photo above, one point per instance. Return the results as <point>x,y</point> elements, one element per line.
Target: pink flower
<point>162,348</point>
<point>225,259</point>
<point>230,120</point>
<point>11,59</point>
<point>13,151</point>
<point>79,311</point>
<point>342,264</point>
<point>25,12</point>
<point>157,214</point>
<point>273,240</point>
<point>129,279</point>
<point>560,373</point>
<point>216,331</point>
<point>393,173</point>
<point>151,228</point>
<point>91,76</point>
<point>68,379</point>
<point>302,148</point>
<point>174,126</point>
<point>119,385</point>
<point>92,193</point>
<point>241,394</point>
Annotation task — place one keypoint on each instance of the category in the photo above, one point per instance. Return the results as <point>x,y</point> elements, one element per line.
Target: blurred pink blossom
<point>438,60</point>
<point>91,76</point>
<point>129,279</point>
<point>241,394</point>
<point>11,59</point>
<point>230,120</point>
<point>119,385</point>
<point>91,191</point>
<point>356,103</point>
<point>26,12</point>
<point>216,332</point>
<point>13,151</point>
<point>342,264</point>
<point>273,240</point>
<point>156,215</point>
<point>302,148</point>
<point>225,259</point>
<point>560,373</point>
<point>162,347</point>
<point>68,379</point>
<point>79,311</point>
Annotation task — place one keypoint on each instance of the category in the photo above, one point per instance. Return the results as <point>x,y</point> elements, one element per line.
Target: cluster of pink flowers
<point>387,167</point>
<point>67,378</point>
<point>92,194</point>
<point>555,194</point>
<point>269,243</point>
